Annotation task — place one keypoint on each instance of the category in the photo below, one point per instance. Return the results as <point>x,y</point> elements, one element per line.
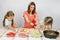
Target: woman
<point>30,16</point>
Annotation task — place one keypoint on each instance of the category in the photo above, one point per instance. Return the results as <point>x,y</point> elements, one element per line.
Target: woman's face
<point>10,18</point>
<point>31,7</point>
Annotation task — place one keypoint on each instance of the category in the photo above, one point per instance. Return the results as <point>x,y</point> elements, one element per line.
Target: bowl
<point>51,34</point>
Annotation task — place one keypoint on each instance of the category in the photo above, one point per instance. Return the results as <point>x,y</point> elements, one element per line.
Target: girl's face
<point>45,23</point>
<point>10,18</point>
<point>31,7</point>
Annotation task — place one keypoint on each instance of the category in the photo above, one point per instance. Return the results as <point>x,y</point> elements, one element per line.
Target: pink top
<point>31,18</point>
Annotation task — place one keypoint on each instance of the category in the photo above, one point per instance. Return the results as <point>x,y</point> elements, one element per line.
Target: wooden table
<point>3,36</point>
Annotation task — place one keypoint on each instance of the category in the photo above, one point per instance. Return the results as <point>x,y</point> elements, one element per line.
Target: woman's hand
<point>37,19</point>
<point>31,24</point>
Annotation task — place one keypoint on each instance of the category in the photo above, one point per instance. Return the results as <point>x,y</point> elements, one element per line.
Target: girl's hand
<point>11,28</point>
<point>42,28</point>
<point>15,26</point>
<point>14,29</point>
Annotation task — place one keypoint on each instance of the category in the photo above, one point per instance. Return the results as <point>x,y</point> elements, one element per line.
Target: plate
<point>10,34</point>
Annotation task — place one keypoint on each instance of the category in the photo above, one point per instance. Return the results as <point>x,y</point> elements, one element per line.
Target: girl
<point>47,23</point>
<point>30,16</point>
<point>8,21</point>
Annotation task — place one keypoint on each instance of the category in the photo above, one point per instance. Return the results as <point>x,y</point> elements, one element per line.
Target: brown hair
<point>48,20</point>
<point>32,3</point>
<point>9,13</point>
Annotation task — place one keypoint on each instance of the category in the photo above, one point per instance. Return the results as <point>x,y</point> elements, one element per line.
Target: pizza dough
<point>23,35</point>
<point>24,31</point>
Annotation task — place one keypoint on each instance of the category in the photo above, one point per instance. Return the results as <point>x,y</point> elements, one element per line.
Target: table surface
<point>4,31</point>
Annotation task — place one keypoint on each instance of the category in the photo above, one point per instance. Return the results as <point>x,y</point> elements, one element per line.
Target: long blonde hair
<point>9,13</point>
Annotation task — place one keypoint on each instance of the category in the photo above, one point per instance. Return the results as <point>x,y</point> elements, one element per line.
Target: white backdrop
<point>44,8</point>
